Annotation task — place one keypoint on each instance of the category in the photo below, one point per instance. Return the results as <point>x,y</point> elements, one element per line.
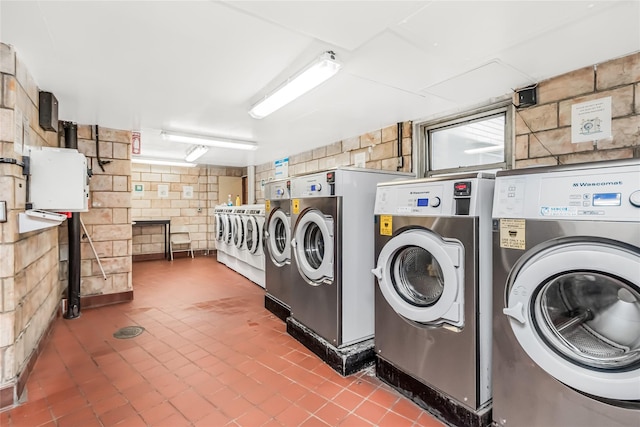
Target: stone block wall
<point>108,221</point>
<point>543,131</point>
<point>29,287</point>
<point>196,213</point>
<point>380,148</point>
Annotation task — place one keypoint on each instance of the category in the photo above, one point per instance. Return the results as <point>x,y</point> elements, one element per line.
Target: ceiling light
<point>323,68</point>
<point>209,141</point>
<point>195,153</point>
<point>490,149</point>
<point>145,161</point>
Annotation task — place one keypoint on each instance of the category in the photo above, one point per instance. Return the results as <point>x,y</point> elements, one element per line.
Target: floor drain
<point>128,332</point>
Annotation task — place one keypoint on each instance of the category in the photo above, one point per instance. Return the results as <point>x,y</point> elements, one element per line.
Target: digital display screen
<point>461,186</point>
<point>423,202</point>
<point>607,199</point>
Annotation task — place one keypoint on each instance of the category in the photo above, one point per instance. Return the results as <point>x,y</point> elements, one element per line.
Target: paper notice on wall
<point>282,168</point>
<point>512,233</point>
<point>187,192</point>
<point>591,120</point>
<point>359,159</point>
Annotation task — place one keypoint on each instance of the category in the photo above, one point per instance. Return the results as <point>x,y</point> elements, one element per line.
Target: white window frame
<point>422,158</point>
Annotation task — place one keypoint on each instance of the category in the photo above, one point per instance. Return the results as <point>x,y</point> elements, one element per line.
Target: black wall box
<point>48,111</point>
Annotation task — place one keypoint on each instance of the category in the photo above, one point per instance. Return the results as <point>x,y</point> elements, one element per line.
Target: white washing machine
<point>254,232</point>
<point>332,299</point>
<point>566,335</point>
<point>433,299</point>
<point>223,235</point>
<point>277,247</point>
<point>239,243</point>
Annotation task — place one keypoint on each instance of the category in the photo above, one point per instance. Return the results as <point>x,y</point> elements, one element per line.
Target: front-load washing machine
<point>239,244</point>
<point>277,247</point>
<point>224,235</point>
<point>433,299</point>
<point>332,299</point>
<point>566,334</point>
<point>254,225</point>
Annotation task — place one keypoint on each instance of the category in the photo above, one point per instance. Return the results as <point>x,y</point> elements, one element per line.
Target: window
<point>476,141</point>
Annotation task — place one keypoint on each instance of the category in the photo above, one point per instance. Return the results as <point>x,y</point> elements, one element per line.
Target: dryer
<point>277,247</point>
<point>566,342</point>
<point>433,294</point>
<point>332,297</point>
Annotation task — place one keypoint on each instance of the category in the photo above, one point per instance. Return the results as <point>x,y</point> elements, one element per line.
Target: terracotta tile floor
<point>211,355</point>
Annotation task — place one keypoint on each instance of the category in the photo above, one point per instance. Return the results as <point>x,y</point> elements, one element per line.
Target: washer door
<point>421,275</point>
<point>228,229</point>
<point>252,234</point>
<point>313,247</point>
<point>575,310</point>
<point>219,228</point>
<point>278,237</point>
<point>238,232</point>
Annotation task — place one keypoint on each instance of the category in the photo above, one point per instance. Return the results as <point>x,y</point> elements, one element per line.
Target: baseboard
<point>93,301</point>
<point>344,360</point>
<point>433,401</point>
<point>280,310</point>
<point>10,394</point>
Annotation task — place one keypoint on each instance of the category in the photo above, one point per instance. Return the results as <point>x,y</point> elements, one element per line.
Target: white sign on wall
<point>187,192</point>
<point>163,190</point>
<point>591,120</point>
<point>282,168</point>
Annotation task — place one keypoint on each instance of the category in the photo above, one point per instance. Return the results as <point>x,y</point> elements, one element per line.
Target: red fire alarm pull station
<point>135,142</point>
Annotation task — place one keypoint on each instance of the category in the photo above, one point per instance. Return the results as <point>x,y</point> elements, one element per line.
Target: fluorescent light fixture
<point>490,149</point>
<point>209,141</point>
<point>314,74</point>
<point>196,152</point>
<point>145,161</point>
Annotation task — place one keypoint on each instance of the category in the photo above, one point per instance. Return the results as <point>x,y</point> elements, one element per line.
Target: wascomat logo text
<point>596,184</point>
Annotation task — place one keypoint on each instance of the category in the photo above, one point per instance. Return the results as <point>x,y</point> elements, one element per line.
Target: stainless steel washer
<point>277,247</point>
<point>433,299</point>
<point>566,343</point>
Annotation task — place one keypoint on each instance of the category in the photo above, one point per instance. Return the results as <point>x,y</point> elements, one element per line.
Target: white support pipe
<point>251,184</point>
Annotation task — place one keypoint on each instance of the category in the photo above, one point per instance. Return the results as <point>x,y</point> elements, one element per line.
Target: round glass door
<point>220,228</point>
<point>417,276</point>
<point>575,310</point>
<point>278,237</point>
<point>238,233</point>
<point>313,247</point>
<point>421,276</point>
<point>252,234</point>
<point>228,229</point>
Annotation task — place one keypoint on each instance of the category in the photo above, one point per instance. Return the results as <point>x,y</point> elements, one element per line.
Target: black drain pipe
<point>73,224</point>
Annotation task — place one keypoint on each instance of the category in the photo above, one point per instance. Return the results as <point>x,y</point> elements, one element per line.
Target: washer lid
<point>575,310</point>
<point>421,275</point>
<point>278,237</point>
<point>313,247</point>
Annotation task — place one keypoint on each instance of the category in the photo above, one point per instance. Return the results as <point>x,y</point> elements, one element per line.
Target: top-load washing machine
<point>433,299</point>
<point>332,245</point>
<point>254,231</point>
<point>566,335</point>
<point>277,247</point>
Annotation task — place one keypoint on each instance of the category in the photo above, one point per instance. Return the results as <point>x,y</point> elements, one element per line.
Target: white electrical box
<point>59,180</point>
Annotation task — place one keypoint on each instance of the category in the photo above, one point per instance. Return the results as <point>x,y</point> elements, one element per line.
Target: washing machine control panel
<point>413,199</point>
<point>278,190</point>
<point>600,194</point>
<point>317,185</point>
